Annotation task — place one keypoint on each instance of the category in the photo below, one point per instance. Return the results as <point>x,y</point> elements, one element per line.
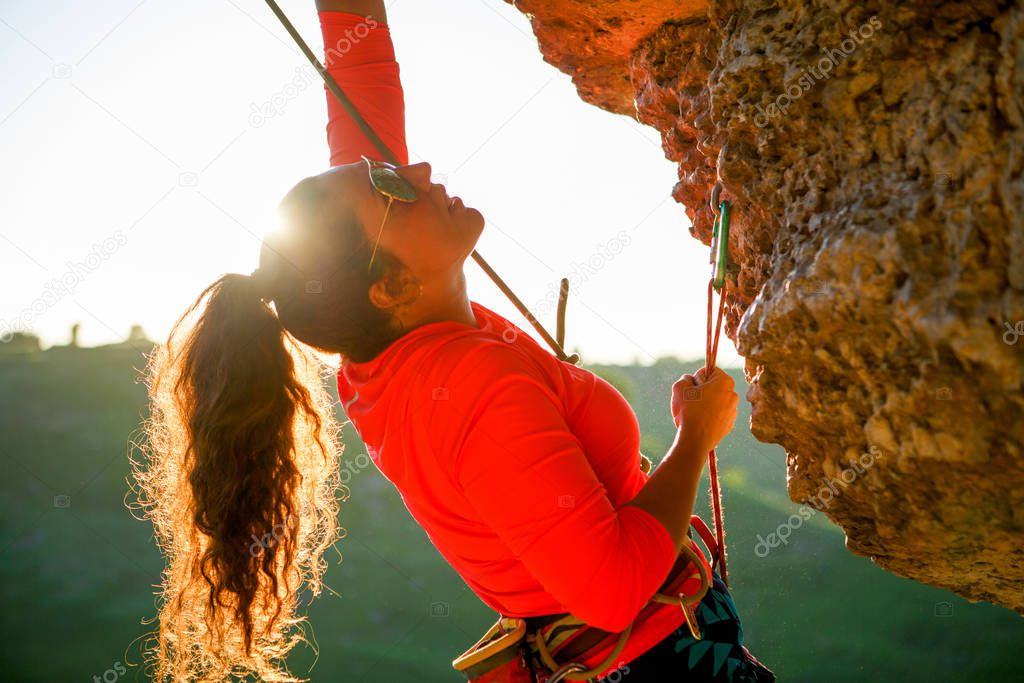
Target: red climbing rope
<point>716,493</point>
<point>719,244</point>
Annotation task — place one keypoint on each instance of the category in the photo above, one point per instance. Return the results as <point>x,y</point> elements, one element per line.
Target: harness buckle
<point>690,612</point>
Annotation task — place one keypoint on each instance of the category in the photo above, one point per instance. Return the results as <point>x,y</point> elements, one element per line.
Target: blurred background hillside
<point>77,571</point>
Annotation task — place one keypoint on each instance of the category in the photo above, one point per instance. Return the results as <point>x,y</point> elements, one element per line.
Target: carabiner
<point>716,192</point>
<point>720,246</point>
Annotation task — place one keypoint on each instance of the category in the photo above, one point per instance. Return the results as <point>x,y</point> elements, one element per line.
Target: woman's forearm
<point>367,8</point>
<point>671,492</point>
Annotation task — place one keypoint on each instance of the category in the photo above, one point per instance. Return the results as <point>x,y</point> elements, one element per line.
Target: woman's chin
<point>469,223</point>
<point>475,218</point>
<point>473,226</point>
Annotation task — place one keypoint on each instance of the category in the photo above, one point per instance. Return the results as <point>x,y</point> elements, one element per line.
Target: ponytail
<point>239,476</point>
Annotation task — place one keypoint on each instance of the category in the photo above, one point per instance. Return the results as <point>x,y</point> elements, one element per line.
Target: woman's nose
<point>417,174</point>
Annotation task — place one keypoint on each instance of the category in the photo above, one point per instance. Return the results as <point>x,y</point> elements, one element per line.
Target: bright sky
<point>134,174</point>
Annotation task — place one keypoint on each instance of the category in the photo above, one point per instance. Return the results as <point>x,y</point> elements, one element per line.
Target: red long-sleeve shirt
<point>517,465</point>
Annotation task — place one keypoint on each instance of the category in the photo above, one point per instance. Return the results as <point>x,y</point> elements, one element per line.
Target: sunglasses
<point>386,181</point>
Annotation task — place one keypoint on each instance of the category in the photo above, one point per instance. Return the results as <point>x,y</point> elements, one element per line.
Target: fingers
<point>702,375</point>
<point>690,385</point>
<point>680,388</point>
<point>717,374</point>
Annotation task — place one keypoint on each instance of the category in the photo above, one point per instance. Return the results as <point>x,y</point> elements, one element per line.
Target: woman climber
<point>524,470</point>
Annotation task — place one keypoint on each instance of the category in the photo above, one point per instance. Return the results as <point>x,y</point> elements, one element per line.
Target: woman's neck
<point>447,301</point>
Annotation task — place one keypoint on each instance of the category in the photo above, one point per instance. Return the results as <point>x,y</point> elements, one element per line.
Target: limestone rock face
<point>592,40</point>
<point>873,154</point>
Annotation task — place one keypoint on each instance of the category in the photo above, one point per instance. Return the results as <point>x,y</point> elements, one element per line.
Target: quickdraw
<point>720,237</point>
<point>720,266</point>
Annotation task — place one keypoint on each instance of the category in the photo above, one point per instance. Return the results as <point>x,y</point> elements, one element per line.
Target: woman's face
<point>431,236</point>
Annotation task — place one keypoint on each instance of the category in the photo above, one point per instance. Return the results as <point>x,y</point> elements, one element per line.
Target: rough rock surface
<point>592,40</point>
<point>873,154</point>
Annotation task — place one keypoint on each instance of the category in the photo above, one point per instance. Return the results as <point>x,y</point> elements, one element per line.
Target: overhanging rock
<point>873,154</point>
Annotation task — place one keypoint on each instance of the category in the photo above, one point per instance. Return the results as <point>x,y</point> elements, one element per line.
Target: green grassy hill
<point>77,570</point>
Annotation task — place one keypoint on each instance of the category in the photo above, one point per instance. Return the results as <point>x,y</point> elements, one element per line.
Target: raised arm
<point>359,54</point>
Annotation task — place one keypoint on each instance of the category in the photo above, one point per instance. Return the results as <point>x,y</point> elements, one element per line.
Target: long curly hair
<point>240,463</point>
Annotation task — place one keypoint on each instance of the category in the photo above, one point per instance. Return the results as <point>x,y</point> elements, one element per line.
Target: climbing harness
<point>509,650</point>
<point>720,265</point>
<point>527,650</point>
<point>389,156</point>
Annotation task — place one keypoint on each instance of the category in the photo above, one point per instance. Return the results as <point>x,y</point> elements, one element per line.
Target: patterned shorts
<point>719,656</point>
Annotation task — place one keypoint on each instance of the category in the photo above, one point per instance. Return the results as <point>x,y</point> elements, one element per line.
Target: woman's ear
<point>396,287</point>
